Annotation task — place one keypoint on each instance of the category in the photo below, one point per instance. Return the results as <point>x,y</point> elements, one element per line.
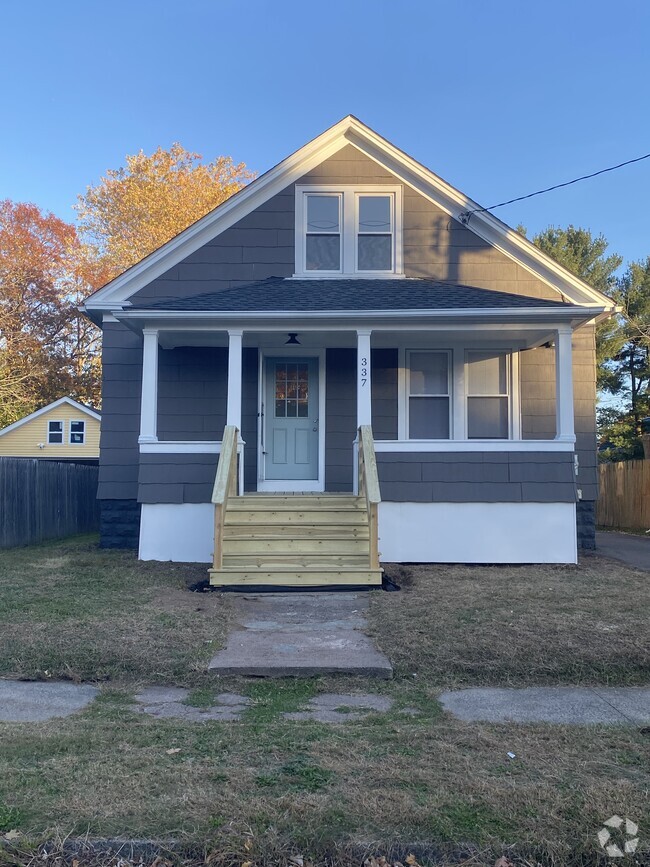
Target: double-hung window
<point>346,230</point>
<point>77,433</point>
<point>487,377</point>
<point>55,433</point>
<point>428,394</point>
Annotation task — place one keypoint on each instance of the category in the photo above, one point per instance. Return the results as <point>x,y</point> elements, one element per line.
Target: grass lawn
<point>263,789</point>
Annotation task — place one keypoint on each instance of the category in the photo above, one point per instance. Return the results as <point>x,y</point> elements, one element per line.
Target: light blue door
<point>291,419</point>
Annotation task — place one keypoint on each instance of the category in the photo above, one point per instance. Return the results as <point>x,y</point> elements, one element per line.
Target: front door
<point>290,442</point>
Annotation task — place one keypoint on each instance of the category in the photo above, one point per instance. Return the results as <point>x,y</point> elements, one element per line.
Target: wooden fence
<point>46,500</point>
<point>624,498</point>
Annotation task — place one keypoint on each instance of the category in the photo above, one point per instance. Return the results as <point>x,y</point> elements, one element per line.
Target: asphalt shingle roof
<point>279,294</point>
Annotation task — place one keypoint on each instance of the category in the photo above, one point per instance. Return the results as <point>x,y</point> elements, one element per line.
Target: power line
<point>466,215</point>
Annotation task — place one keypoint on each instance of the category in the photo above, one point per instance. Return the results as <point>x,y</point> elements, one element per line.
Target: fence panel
<point>624,498</point>
<point>42,500</point>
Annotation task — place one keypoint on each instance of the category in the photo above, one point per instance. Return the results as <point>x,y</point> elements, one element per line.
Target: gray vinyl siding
<point>341,418</point>
<point>384,364</point>
<point>121,387</point>
<point>262,245</point>
<point>477,477</point>
<point>192,393</point>
<point>182,478</point>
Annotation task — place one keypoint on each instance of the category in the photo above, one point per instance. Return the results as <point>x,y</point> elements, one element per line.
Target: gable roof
<point>280,294</point>
<point>47,408</point>
<point>349,131</point>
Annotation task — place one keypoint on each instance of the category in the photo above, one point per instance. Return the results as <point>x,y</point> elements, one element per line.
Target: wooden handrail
<point>225,485</point>
<point>369,488</point>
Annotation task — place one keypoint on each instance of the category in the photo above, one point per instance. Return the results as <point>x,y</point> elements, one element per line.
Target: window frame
<point>408,396</point>
<point>349,215</point>
<point>83,433</point>
<point>508,354</point>
<point>61,432</point>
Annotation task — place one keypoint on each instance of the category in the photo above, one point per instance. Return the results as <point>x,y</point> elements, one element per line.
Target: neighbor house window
<point>428,394</point>
<point>55,433</point>
<point>77,433</point>
<point>345,230</point>
<point>487,376</point>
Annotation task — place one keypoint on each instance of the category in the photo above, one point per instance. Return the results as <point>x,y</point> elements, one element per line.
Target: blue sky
<point>498,97</point>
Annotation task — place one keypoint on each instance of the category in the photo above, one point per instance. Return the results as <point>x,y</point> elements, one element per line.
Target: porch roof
<point>288,295</point>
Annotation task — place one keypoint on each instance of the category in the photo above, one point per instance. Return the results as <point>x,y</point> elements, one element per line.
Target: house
<point>64,430</point>
<point>378,367</point>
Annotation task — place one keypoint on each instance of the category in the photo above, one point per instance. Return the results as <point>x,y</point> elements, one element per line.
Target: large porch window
<point>488,395</point>
<point>428,394</point>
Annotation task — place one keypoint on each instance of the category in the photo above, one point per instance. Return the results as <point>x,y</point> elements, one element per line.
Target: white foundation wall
<point>183,533</point>
<point>478,532</point>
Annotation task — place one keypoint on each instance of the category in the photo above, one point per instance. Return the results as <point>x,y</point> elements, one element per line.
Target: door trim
<point>297,485</point>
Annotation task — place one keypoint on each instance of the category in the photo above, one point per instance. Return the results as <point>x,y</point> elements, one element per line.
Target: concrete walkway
<point>560,704</point>
<point>632,550</point>
<point>301,634</point>
<point>22,701</point>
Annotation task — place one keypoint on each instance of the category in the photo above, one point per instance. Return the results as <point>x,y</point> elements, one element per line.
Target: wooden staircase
<point>292,540</point>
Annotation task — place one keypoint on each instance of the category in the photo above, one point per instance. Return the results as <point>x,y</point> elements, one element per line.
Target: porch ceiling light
<point>293,339</point>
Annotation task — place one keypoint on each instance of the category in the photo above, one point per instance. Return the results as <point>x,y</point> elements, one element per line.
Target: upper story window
<point>348,230</point>
<point>55,433</point>
<point>77,433</point>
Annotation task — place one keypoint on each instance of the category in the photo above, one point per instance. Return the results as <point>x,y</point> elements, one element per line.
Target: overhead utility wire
<point>466,215</point>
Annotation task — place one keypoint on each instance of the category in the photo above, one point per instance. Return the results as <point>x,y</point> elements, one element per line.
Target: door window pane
<point>429,418</point>
<point>291,390</point>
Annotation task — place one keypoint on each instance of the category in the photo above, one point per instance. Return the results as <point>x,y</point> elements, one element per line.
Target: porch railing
<point>369,488</point>
<point>225,486</point>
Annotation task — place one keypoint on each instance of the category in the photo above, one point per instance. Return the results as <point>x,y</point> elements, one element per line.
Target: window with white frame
<point>55,433</point>
<point>487,385</point>
<point>345,230</point>
<point>77,433</point>
<point>428,403</point>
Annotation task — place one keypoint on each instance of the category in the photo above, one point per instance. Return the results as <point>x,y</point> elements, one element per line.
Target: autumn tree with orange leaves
<point>136,209</point>
<point>47,348</point>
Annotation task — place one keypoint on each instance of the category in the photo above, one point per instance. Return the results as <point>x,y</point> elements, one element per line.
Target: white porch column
<point>149,398</point>
<point>364,402</point>
<point>233,411</point>
<point>564,413</point>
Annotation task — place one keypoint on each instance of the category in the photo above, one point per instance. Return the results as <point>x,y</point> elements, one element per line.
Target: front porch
<point>298,399</point>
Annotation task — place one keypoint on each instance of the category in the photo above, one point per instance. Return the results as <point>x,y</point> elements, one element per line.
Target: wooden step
<point>271,544</point>
<point>302,531</point>
<point>314,504</point>
<point>305,577</point>
<point>306,516</point>
<point>295,561</point>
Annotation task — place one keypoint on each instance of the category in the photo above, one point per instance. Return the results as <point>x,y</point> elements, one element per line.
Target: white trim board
<point>352,131</point>
<point>56,403</point>
<point>411,446</point>
<point>477,533</point>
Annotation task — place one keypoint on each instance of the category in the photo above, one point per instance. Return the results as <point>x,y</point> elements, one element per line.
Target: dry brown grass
<point>518,625</point>
<point>264,789</point>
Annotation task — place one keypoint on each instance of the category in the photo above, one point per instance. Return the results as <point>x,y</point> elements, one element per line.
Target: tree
<point>137,208</point>
<point>47,349</point>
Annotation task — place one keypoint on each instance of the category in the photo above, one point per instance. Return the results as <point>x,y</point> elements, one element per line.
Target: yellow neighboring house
<point>64,430</point>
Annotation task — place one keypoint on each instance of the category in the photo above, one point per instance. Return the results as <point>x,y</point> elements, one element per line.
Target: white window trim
<point>458,393</point>
<point>512,394</point>
<point>349,194</point>
<point>62,431</point>
<point>448,395</point>
<point>83,433</point>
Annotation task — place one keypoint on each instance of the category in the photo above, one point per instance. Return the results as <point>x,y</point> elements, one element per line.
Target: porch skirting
<point>408,532</point>
<point>477,532</point>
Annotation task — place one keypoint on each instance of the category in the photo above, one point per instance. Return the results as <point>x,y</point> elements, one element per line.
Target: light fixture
<point>293,339</point>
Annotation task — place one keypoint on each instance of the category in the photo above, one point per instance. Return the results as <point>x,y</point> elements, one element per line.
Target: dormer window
<point>348,230</point>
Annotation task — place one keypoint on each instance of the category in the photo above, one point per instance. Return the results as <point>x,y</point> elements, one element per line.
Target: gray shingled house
<point>346,361</point>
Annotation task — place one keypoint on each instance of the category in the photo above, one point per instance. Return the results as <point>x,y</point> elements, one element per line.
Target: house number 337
<point>363,371</point>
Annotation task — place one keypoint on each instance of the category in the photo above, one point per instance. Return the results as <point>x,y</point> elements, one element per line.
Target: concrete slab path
<point>26,701</point>
<point>559,704</point>
<point>629,549</point>
<point>301,635</point>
